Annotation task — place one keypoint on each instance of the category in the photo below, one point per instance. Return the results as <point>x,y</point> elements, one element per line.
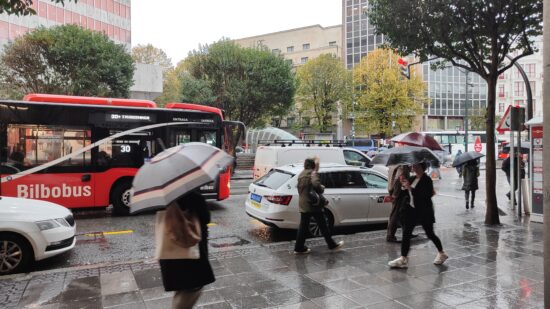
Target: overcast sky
<point>179,26</point>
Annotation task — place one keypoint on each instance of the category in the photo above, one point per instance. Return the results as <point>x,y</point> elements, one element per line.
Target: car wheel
<point>15,254</point>
<point>313,227</point>
<point>121,198</point>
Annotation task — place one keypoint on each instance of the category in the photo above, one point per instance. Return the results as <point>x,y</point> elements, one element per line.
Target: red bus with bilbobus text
<point>83,152</point>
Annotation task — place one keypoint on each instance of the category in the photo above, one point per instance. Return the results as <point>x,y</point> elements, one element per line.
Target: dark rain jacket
<point>470,174</point>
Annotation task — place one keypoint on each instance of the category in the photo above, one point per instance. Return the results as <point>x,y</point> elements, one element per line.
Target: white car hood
<point>20,209</point>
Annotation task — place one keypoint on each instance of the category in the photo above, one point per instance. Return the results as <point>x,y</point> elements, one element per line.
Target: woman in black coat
<point>417,208</point>
<point>188,276</point>
<point>470,172</point>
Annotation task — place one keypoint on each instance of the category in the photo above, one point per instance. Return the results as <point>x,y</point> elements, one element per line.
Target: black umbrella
<point>465,157</point>
<point>524,147</point>
<point>405,155</point>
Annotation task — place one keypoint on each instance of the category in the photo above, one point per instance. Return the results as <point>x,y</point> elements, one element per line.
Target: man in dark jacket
<point>506,169</point>
<point>309,180</point>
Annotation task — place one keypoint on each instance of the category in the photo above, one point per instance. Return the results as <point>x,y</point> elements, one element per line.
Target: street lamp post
<point>466,103</point>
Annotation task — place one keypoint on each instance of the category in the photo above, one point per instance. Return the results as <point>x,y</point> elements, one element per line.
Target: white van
<point>268,157</point>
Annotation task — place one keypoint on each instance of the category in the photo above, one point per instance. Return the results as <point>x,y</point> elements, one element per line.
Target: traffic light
<point>404,67</point>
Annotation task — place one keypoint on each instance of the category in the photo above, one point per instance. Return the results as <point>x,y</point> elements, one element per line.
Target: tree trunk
<point>546,153</point>
<point>491,216</point>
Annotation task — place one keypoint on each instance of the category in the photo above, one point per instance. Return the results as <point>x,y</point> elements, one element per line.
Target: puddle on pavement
<point>227,242</point>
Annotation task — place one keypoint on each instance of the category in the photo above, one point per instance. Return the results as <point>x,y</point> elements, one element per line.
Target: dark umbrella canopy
<point>417,139</point>
<point>405,155</point>
<point>524,147</point>
<point>465,157</point>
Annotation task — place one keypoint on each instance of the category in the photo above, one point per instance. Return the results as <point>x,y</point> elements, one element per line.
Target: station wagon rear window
<point>274,179</point>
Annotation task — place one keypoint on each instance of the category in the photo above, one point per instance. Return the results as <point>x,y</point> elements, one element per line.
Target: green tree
<point>250,84</point>
<point>476,35</point>
<point>149,54</point>
<point>21,7</point>
<point>172,85</point>
<point>67,59</point>
<point>322,82</point>
<point>387,101</point>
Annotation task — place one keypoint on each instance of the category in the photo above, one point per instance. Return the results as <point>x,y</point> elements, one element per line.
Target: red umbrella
<point>417,139</point>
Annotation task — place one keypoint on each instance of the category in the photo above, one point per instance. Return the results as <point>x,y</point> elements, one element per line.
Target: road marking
<point>95,234</point>
<point>211,224</point>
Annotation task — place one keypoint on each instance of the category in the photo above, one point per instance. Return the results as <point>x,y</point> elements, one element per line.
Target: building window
<point>289,122</point>
<point>502,76</point>
<point>501,107</point>
<point>305,46</point>
<point>518,89</point>
<point>290,49</point>
<point>303,60</point>
<point>305,122</point>
<point>289,61</point>
<point>530,69</point>
<point>276,51</point>
<point>518,103</point>
<point>332,43</point>
<point>501,91</point>
<point>533,87</point>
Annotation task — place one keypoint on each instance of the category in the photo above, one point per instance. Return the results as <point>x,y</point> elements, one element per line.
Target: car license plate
<point>255,204</point>
<point>255,197</point>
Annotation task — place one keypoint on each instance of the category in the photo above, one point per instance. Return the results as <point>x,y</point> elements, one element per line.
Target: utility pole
<point>546,151</point>
<point>466,103</point>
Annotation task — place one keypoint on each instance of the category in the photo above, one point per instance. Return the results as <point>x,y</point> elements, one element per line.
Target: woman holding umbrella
<point>171,179</point>
<point>419,210</point>
<point>470,173</point>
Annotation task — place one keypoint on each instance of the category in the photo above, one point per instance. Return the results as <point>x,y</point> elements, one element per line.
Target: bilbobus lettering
<point>41,191</point>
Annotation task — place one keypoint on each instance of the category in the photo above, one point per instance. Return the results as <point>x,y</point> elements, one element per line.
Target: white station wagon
<point>356,196</point>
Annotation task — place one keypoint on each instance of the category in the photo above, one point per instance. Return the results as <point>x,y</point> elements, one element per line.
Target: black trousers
<point>467,195</point>
<point>408,228</point>
<point>303,230</point>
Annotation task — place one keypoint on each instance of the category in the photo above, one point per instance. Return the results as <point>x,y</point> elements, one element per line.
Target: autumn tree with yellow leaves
<point>386,101</point>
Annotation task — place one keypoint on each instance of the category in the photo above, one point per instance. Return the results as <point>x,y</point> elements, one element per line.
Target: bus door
<point>68,183</point>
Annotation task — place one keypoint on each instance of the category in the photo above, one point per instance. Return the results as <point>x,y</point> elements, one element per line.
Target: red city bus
<point>43,128</point>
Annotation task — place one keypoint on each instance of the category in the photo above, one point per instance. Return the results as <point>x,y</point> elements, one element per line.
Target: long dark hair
<point>195,203</point>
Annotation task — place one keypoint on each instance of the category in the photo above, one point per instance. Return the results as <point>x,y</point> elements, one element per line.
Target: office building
<point>511,89</point>
<point>112,17</point>
<point>299,45</point>
<point>446,88</point>
<point>108,16</point>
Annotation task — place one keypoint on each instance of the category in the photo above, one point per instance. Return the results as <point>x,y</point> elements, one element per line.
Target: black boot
<point>467,206</point>
<point>472,203</point>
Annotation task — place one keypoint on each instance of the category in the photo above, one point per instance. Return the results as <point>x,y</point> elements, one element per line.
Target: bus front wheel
<point>120,197</point>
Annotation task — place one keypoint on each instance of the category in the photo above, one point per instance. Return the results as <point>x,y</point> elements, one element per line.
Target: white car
<point>32,230</point>
<point>356,196</point>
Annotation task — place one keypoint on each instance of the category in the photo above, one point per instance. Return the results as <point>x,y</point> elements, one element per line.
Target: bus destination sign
<point>117,117</point>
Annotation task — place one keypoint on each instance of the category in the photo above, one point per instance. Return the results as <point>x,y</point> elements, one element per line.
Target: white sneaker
<point>401,262</point>
<point>338,246</point>
<point>440,258</point>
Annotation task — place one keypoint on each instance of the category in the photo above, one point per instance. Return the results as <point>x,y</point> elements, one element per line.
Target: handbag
<point>314,197</point>
<point>166,245</point>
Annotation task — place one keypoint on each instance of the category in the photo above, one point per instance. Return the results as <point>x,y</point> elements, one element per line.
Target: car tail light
<point>387,199</point>
<point>279,199</point>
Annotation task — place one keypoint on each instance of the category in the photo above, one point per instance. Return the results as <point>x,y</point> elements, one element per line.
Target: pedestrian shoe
<point>472,205</point>
<point>391,239</point>
<point>467,205</point>
<point>401,262</point>
<point>307,251</point>
<point>338,246</point>
<point>440,258</point>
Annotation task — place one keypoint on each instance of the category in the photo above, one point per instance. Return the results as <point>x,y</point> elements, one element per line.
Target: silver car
<point>356,196</point>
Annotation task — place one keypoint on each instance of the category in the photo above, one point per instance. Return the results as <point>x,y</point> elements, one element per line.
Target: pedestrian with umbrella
<point>171,179</point>
<point>418,208</point>
<point>470,173</point>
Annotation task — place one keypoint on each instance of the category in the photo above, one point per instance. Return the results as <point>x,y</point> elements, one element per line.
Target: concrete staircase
<point>245,161</point>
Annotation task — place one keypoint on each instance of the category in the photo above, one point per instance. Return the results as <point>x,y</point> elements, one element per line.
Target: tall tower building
<point>111,17</point>
<point>446,88</point>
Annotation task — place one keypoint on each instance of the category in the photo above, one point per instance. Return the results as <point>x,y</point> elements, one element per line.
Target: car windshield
<point>274,179</point>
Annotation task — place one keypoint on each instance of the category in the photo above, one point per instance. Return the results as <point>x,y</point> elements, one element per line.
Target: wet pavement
<point>489,267</point>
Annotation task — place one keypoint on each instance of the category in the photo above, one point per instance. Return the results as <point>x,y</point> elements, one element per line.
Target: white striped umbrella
<point>175,172</point>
